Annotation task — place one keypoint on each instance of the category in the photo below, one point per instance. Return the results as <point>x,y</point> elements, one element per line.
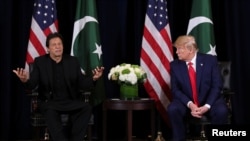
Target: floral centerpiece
<point>128,76</point>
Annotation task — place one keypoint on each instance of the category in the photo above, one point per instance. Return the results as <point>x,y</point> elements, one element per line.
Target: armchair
<point>38,122</point>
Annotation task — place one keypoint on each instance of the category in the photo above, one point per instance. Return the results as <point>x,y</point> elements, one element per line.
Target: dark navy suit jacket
<point>209,81</point>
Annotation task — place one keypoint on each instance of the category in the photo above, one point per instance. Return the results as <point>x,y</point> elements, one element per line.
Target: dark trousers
<point>177,113</point>
<point>78,119</point>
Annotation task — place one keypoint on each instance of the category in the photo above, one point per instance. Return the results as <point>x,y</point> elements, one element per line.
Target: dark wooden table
<point>129,106</point>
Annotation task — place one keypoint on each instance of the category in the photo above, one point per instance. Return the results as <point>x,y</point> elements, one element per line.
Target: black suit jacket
<point>42,77</point>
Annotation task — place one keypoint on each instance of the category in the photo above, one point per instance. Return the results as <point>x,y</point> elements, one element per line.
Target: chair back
<point>225,70</point>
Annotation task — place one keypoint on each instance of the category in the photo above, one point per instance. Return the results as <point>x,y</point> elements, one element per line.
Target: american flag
<point>44,21</point>
<point>156,54</point>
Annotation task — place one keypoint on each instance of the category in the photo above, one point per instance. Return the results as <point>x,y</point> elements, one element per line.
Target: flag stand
<point>159,133</point>
<point>159,137</point>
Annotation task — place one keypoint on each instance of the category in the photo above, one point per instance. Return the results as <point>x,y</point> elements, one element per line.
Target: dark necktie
<point>192,76</point>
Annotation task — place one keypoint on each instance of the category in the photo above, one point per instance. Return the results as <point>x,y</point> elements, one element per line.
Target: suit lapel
<point>49,72</point>
<point>199,69</point>
<point>184,74</point>
<point>66,69</point>
<point>184,71</point>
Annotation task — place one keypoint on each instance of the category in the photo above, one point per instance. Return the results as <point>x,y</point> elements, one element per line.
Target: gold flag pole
<point>159,137</point>
<point>159,133</point>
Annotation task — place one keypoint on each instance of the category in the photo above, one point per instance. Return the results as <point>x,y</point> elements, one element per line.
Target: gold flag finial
<point>159,137</point>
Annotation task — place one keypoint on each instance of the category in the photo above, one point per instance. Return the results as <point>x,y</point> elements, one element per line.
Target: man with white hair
<point>195,86</point>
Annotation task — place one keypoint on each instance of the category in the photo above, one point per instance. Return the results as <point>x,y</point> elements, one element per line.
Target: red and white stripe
<point>37,39</point>
<point>156,55</point>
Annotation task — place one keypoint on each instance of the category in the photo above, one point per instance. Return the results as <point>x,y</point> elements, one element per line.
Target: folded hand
<point>199,111</point>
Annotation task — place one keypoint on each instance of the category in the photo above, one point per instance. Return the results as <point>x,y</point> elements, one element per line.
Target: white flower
<point>128,74</point>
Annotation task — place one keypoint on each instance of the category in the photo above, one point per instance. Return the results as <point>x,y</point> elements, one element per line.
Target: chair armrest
<point>227,95</point>
<point>86,96</point>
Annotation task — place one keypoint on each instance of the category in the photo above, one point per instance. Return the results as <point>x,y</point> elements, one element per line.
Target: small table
<point>129,106</point>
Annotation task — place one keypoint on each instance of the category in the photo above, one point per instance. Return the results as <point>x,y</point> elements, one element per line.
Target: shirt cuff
<point>208,106</point>
<point>188,104</point>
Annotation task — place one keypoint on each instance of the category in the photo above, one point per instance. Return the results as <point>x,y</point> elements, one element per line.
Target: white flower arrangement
<point>128,74</point>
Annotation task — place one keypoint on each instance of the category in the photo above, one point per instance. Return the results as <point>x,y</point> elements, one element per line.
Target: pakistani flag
<point>86,44</point>
<point>201,26</point>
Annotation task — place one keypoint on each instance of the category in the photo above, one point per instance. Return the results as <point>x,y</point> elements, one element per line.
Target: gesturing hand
<point>22,74</point>
<point>97,72</point>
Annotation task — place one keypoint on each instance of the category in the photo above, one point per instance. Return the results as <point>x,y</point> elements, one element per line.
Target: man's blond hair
<point>187,40</point>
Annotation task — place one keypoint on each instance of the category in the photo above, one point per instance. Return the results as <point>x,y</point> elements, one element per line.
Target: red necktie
<point>192,76</point>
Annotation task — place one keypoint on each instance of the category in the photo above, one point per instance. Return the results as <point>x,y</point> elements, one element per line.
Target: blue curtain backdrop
<point>121,26</point>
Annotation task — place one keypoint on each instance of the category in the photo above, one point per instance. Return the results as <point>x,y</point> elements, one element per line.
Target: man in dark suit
<point>60,80</point>
<point>208,87</point>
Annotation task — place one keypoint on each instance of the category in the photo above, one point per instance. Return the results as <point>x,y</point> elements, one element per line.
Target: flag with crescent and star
<point>86,45</point>
<point>201,26</point>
